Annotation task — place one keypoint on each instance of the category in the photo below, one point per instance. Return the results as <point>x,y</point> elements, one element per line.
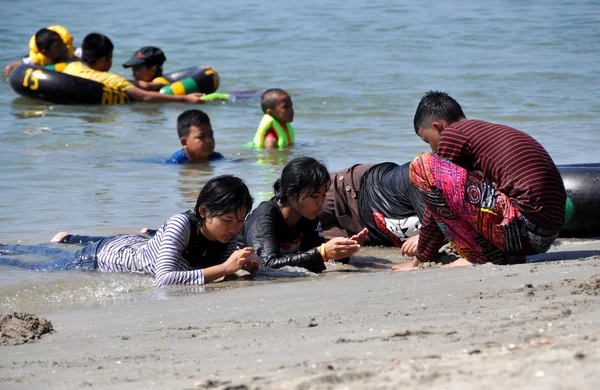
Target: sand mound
<point>590,286</point>
<point>20,328</point>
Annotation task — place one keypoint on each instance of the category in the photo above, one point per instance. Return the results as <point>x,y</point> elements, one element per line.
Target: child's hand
<point>340,247</point>
<point>237,260</point>
<point>194,98</point>
<point>253,264</point>
<point>361,236</point>
<point>409,248</point>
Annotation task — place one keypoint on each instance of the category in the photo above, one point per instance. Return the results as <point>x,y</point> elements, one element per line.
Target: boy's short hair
<point>94,47</point>
<point>44,39</point>
<point>437,105</point>
<point>190,118</point>
<point>269,97</point>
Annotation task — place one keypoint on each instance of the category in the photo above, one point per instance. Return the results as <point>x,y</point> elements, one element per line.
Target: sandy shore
<point>527,326</point>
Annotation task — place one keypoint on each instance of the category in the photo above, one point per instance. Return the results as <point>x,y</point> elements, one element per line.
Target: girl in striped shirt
<point>190,248</point>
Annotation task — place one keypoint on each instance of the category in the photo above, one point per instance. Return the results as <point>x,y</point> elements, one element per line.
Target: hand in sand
<point>253,264</point>
<point>414,263</point>
<point>237,260</point>
<point>361,236</point>
<point>340,247</point>
<point>462,262</point>
<point>409,248</point>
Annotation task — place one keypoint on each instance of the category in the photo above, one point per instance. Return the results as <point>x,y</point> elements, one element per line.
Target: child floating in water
<point>275,129</point>
<point>197,138</point>
<point>146,65</point>
<point>48,46</point>
<point>194,247</point>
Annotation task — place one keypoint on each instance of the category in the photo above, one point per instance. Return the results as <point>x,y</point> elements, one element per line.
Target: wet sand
<point>527,326</point>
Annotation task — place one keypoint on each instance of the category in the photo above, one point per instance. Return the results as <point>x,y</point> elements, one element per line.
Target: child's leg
<point>16,249</point>
<point>84,258</point>
<point>77,239</point>
<point>479,221</point>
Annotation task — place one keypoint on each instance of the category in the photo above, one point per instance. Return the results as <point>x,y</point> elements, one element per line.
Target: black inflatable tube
<point>582,182</point>
<point>181,74</point>
<point>41,83</point>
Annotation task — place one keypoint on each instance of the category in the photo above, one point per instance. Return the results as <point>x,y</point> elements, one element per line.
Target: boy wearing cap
<point>146,64</point>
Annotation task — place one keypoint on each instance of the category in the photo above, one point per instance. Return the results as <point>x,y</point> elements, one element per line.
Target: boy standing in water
<point>491,190</point>
<point>197,138</point>
<point>275,129</point>
<point>146,65</point>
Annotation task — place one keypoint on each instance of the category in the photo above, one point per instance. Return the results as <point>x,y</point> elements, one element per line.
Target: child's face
<point>311,206</point>
<point>225,227</point>
<point>431,135</point>
<point>199,143</point>
<point>283,110</point>
<point>58,52</point>
<point>143,72</point>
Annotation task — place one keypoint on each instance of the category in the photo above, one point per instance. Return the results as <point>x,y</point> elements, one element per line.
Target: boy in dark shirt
<point>491,190</point>
<point>197,138</point>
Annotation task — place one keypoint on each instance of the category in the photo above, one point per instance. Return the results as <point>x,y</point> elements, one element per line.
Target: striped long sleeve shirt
<point>519,166</point>
<point>160,256</point>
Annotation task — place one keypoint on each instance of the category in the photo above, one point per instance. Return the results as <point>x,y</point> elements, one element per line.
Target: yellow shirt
<point>109,79</point>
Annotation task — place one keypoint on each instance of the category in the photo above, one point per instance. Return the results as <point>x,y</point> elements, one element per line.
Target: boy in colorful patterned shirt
<point>493,191</point>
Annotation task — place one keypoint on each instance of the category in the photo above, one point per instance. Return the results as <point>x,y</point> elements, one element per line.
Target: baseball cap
<point>148,55</point>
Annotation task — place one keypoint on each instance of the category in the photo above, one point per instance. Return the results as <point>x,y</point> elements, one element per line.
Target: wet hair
<point>223,194</point>
<point>436,105</point>
<point>44,39</point>
<point>190,118</point>
<point>94,47</point>
<point>269,98</point>
<point>301,177</point>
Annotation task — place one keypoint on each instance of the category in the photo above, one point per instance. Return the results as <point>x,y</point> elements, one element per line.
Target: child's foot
<point>406,266</point>
<point>462,262</point>
<point>144,230</point>
<point>59,237</point>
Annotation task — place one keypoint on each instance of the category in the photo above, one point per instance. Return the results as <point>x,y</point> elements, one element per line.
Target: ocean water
<point>355,70</point>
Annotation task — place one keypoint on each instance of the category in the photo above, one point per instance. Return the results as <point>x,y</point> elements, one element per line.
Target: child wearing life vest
<point>275,130</point>
<point>48,46</point>
<point>146,64</point>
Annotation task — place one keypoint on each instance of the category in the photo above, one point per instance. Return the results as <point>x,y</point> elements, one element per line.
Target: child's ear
<point>439,125</point>
<point>183,141</point>
<point>269,112</point>
<point>202,211</point>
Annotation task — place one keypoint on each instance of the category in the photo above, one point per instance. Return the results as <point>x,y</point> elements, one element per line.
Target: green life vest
<point>264,127</point>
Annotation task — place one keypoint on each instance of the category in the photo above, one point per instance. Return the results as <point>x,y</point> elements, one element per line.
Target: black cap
<point>148,55</point>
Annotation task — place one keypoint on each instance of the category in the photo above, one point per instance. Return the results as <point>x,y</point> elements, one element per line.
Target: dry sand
<point>525,326</point>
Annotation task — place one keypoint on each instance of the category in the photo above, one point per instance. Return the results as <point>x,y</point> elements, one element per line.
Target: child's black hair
<point>190,118</point>
<point>94,47</point>
<point>223,194</point>
<point>436,105</point>
<point>44,39</point>
<point>269,98</point>
<point>301,177</point>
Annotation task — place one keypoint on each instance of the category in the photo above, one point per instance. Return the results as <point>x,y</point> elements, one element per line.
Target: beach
<point>356,72</point>
<point>535,325</point>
